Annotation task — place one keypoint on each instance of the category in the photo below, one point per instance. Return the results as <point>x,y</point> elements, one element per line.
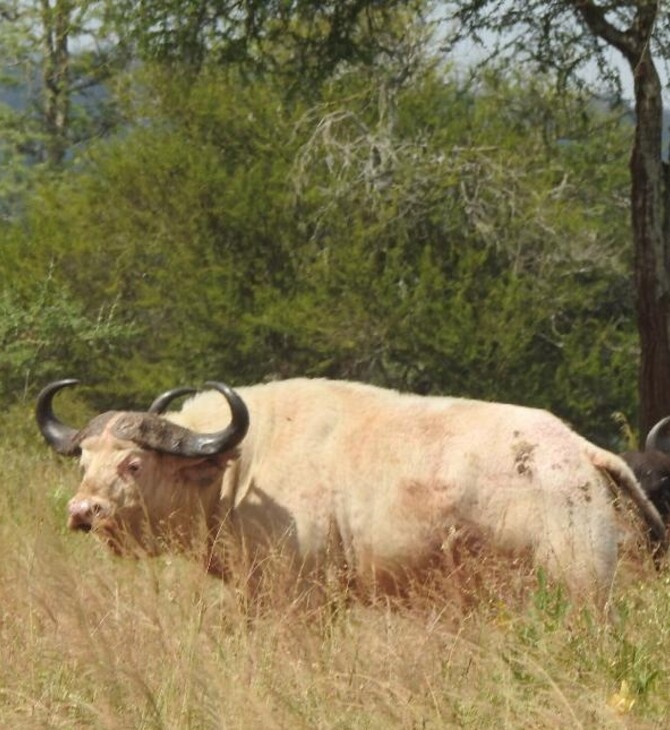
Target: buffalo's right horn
<point>164,399</point>
<point>658,439</point>
<point>59,436</point>
<point>153,432</point>
<point>239,424</point>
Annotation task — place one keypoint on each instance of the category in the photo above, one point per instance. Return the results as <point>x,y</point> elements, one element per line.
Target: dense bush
<point>418,236</point>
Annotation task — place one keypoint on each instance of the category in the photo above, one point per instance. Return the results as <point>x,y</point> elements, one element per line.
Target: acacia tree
<point>55,22</point>
<point>303,41</point>
<point>566,36</point>
<point>55,56</point>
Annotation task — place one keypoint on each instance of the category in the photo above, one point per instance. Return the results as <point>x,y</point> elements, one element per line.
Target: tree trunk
<point>56,26</point>
<point>651,230</point>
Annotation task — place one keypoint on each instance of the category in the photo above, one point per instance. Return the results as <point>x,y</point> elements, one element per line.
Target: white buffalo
<point>331,471</point>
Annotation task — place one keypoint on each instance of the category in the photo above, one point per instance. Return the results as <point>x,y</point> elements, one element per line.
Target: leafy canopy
<point>416,235</point>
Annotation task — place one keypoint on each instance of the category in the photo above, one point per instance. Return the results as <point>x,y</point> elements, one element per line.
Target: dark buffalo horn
<point>239,424</point>
<point>658,439</point>
<point>152,432</point>
<point>164,399</point>
<point>59,436</point>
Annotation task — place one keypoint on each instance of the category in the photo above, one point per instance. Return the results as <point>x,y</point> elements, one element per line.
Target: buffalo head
<point>146,479</point>
<point>652,467</point>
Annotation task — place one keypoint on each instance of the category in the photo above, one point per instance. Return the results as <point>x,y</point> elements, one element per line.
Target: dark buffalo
<point>652,467</point>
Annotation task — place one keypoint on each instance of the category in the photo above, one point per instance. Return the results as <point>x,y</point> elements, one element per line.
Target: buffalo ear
<point>202,472</point>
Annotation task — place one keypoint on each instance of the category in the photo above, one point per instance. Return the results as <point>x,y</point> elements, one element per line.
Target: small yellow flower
<point>623,700</point>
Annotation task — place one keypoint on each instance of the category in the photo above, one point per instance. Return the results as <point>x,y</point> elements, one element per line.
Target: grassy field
<point>92,641</point>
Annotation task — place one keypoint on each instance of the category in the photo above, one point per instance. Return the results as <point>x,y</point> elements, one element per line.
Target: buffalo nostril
<point>83,512</point>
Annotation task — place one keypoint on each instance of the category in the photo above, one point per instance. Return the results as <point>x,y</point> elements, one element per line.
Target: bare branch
<point>630,41</point>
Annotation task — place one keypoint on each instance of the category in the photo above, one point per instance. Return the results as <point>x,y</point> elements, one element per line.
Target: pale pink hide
<point>382,476</point>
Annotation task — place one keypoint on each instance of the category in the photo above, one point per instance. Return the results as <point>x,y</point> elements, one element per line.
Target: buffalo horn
<point>164,399</point>
<point>658,439</point>
<point>59,436</point>
<point>153,432</point>
<point>239,424</point>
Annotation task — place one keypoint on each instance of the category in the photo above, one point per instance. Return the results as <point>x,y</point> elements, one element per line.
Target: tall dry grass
<point>91,641</point>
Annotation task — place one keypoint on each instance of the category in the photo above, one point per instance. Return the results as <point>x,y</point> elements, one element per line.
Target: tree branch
<point>594,17</point>
<point>629,42</point>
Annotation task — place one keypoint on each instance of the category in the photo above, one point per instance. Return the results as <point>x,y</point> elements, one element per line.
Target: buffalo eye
<point>130,467</point>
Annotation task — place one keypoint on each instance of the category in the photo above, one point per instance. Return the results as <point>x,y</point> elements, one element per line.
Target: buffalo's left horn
<point>658,439</point>
<point>164,399</point>
<point>59,436</point>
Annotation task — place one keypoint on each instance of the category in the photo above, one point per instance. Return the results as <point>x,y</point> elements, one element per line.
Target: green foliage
<point>303,42</point>
<point>476,264</point>
<point>414,235</point>
<point>49,335</point>
<point>55,59</point>
<point>569,41</point>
